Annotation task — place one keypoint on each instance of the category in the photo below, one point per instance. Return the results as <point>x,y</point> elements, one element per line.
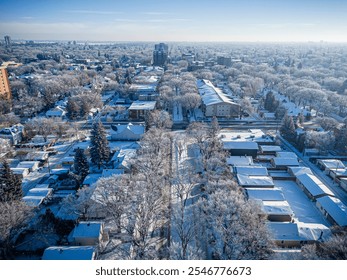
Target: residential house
<point>295,235</point>
<point>21,172</point>
<point>328,164</point>
<point>123,159</point>
<point>31,165</point>
<point>277,211</point>
<point>269,149</point>
<point>333,209</point>
<point>69,253</point>
<point>250,181</point>
<point>297,170</point>
<point>138,110</point>
<point>241,148</point>
<point>239,160</point>
<point>312,186</point>
<point>13,133</point>
<point>266,194</point>
<point>254,170</point>
<point>283,163</point>
<point>88,233</point>
<point>127,132</point>
<point>91,179</point>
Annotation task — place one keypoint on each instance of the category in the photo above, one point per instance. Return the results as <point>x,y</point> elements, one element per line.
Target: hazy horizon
<point>176,21</point>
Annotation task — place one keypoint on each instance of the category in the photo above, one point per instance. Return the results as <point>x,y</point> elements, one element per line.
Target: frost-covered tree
<point>10,184</point>
<point>239,231</point>
<point>159,119</point>
<point>323,141</point>
<point>14,216</point>
<point>333,249</point>
<point>99,150</point>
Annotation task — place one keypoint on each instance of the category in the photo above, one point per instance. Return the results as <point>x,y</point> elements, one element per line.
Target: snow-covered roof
<point>91,179</point>
<point>297,170</point>
<point>339,172</point>
<point>257,181</point>
<point>331,163</point>
<point>269,194</point>
<point>87,229</point>
<point>240,160</point>
<point>211,95</point>
<point>20,170</point>
<point>316,232</point>
<point>43,192</point>
<point>283,154</point>
<point>274,207</point>
<point>335,208</point>
<point>254,135</point>
<point>240,145</point>
<point>252,170</point>
<point>270,148</point>
<point>143,88</point>
<point>143,105</point>
<point>127,131</point>
<point>313,185</point>
<point>33,201</point>
<point>69,253</point>
<point>284,231</point>
<point>281,161</point>
<point>123,153</point>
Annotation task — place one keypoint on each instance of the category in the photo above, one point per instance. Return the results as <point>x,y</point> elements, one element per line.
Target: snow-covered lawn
<point>304,209</point>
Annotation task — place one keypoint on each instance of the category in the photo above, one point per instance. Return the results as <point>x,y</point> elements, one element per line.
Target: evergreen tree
<point>287,128</point>
<point>99,151</point>
<point>81,165</point>
<point>10,184</point>
<point>270,103</point>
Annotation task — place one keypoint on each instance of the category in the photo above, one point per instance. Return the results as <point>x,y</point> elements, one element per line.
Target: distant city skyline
<point>163,20</point>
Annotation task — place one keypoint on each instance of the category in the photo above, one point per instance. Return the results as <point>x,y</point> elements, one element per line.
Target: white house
<point>13,133</point>
<point>127,132</point>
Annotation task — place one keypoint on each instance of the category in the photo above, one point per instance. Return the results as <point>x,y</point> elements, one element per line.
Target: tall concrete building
<point>160,54</point>
<point>5,90</point>
<point>8,43</point>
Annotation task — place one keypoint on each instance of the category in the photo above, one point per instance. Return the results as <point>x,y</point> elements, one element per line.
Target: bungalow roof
<point>335,208</point>
<point>313,185</point>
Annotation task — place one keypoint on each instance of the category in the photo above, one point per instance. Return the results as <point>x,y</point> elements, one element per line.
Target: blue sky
<point>175,20</point>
